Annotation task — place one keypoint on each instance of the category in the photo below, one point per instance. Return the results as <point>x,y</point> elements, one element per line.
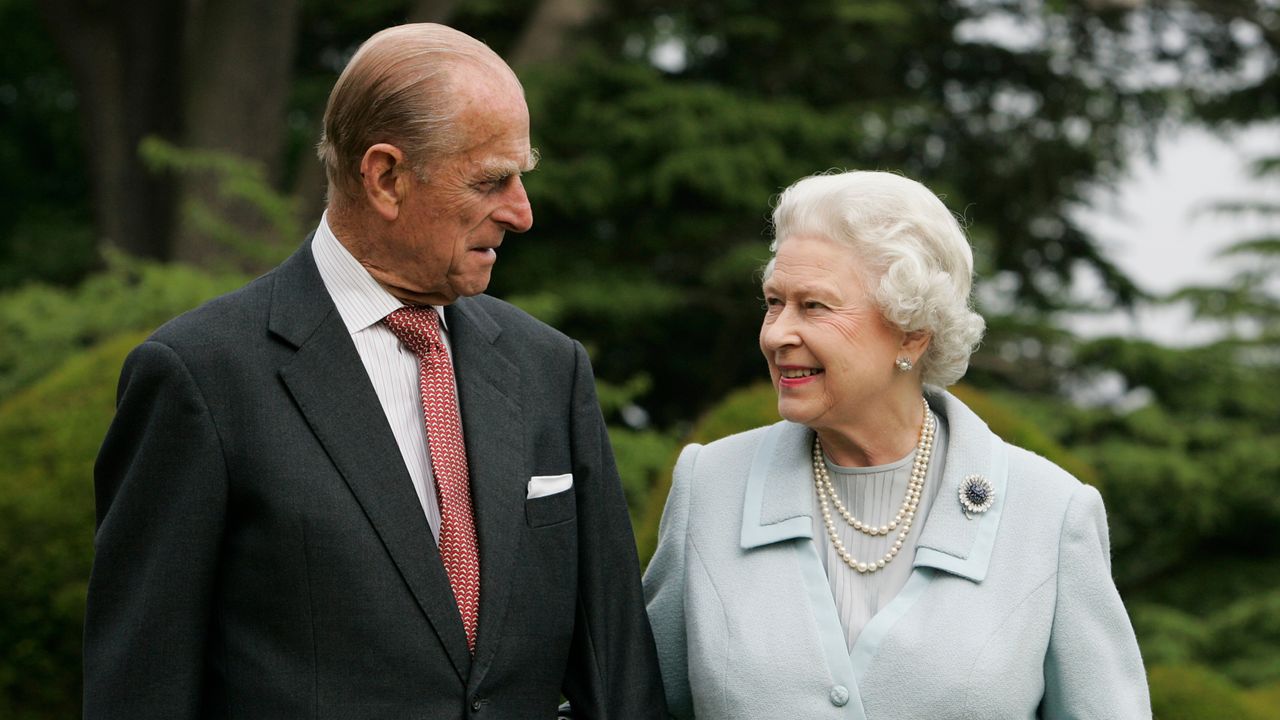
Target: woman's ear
<point>914,344</point>
<point>382,175</point>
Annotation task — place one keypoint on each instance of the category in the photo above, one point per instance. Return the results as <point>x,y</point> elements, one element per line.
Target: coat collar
<point>779,503</point>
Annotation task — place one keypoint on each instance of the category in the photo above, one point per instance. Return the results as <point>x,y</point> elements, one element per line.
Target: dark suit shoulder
<point>221,319</point>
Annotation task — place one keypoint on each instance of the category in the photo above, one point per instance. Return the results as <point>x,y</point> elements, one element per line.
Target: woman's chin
<point>796,412</point>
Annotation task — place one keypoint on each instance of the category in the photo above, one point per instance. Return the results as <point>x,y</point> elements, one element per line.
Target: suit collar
<point>299,302</point>
<point>331,388</point>
<point>779,491</point>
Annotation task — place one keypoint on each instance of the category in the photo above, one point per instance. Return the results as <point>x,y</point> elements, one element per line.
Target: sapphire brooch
<point>976,495</point>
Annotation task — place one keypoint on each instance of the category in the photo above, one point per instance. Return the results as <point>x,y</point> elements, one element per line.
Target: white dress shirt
<point>392,368</point>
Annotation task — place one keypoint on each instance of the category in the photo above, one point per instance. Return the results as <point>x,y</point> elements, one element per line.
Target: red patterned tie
<point>418,328</point>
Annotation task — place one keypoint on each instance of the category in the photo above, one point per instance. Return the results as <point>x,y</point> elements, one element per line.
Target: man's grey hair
<point>399,88</point>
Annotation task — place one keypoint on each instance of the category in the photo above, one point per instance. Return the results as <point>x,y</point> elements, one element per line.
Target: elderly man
<point>358,488</point>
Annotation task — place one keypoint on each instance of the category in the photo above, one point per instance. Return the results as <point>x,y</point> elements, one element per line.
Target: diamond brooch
<point>976,495</point>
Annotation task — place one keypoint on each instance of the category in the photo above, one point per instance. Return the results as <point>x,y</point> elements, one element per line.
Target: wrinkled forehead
<point>807,261</point>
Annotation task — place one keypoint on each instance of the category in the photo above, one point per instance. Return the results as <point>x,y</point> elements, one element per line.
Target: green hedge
<point>49,437</point>
<point>43,325</point>
<point>1193,692</point>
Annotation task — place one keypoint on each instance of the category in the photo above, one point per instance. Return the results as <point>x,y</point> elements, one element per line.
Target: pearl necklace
<point>906,513</point>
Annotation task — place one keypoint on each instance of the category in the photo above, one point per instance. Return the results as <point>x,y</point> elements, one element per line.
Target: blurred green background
<point>156,153</point>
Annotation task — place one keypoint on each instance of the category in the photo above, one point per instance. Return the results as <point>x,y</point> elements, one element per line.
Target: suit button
<point>839,695</point>
<point>476,704</point>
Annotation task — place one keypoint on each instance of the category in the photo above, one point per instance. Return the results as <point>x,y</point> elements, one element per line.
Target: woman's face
<point>831,354</point>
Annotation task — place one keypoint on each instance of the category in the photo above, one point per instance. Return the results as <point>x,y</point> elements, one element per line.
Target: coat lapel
<point>493,428</point>
<point>951,541</point>
<point>331,387</point>
<point>778,506</point>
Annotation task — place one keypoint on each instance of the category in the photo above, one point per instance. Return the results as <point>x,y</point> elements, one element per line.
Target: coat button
<point>476,704</point>
<point>839,695</point>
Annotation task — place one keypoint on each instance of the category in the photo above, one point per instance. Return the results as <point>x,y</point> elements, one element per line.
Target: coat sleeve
<point>664,588</point>
<point>160,490</point>
<point>1093,668</point>
<point>612,672</point>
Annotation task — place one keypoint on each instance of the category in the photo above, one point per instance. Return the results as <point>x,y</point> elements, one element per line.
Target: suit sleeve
<point>612,672</point>
<point>1093,668</point>
<point>160,489</point>
<point>664,588</point>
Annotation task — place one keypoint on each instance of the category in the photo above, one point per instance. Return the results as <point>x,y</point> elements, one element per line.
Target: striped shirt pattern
<point>392,368</point>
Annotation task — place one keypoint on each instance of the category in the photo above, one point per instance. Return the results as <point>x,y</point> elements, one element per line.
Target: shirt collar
<point>360,300</point>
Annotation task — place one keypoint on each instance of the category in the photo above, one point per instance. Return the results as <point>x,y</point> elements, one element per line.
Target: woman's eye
<point>813,305</point>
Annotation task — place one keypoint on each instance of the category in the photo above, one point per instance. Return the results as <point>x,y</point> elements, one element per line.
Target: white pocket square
<point>542,485</point>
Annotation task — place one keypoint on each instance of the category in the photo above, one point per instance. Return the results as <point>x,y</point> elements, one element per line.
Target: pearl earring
<point>904,364</point>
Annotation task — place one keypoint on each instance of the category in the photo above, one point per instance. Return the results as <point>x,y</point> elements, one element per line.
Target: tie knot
<point>417,326</point>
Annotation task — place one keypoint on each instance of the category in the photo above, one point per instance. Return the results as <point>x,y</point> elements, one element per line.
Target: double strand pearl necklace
<point>906,513</point>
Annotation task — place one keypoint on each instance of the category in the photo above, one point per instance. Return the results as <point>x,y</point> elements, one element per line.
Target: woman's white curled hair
<point>919,264</point>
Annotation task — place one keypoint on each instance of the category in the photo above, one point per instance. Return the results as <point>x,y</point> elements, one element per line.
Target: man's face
<point>444,243</point>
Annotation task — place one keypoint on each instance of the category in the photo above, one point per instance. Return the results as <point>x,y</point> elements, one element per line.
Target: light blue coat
<point>1011,614</point>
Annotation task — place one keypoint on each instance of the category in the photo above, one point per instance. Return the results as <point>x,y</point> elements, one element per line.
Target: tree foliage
<point>666,128</point>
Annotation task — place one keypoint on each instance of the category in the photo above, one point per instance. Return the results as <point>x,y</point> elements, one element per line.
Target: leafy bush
<point>43,325</point>
<point>1192,692</point>
<point>1239,638</point>
<point>49,436</point>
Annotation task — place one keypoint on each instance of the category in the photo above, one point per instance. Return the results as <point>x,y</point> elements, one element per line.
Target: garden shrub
<point>42,325</point>
<point>49,437</point>
<point>1193,692</point>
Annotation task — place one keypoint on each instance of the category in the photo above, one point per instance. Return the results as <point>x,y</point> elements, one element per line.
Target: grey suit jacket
<point>1011,614</point>
<point>260,552</point>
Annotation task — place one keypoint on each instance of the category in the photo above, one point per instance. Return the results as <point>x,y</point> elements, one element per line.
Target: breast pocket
<point>549,510</point>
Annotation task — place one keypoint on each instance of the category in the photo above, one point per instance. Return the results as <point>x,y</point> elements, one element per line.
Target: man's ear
<point>384,177</point>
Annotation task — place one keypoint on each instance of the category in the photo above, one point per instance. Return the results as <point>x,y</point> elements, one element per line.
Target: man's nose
<point>516,214</point>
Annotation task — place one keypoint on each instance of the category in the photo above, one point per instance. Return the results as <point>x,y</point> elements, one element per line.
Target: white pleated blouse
<point>873,495</point>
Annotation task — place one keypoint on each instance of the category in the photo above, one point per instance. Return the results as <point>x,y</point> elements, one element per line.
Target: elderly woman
<point>880,553</point>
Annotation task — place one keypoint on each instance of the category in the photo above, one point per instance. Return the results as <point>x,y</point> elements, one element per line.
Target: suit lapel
<point>331,387</point>
<point>493,428</point>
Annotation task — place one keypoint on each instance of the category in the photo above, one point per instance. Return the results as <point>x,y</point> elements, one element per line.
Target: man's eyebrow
<point>498,169</point>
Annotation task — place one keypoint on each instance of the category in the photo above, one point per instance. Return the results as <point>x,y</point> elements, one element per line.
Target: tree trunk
<point>125,61</point>
<point>239,75</point>
<point>546,35</point>
<point>433,11</point>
